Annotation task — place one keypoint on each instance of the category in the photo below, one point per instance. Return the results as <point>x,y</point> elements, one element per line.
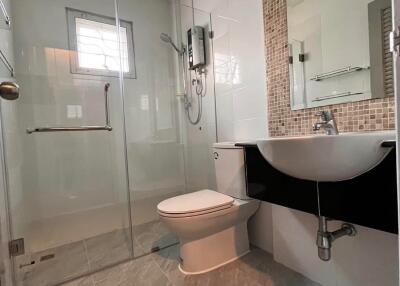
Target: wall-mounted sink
<point>326,158</point>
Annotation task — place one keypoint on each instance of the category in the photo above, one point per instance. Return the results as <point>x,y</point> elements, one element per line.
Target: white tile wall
<point>240,69</point>
<point>238,58</point>
<point>368,259</point>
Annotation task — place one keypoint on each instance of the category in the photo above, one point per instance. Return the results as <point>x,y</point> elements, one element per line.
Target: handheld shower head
<point>167,39</point>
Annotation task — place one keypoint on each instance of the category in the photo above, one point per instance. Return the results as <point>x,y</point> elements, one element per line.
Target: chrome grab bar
<point>337,72</point>
<point>59,129</point>
<point>106,107</point>
<point>106,127</point>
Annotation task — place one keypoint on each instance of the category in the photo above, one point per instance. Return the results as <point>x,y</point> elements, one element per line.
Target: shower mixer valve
<point>195,81</point>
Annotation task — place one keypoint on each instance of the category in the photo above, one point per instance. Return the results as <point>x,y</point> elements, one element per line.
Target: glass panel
<point>155,148</point>
<point>199,159</point>
<point>67,191</point>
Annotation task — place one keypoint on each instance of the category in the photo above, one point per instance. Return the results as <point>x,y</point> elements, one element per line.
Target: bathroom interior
<point>241,142</point>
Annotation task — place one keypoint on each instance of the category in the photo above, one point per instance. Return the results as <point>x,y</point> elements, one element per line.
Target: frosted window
<point>98,46</point>
<point>94,40</point>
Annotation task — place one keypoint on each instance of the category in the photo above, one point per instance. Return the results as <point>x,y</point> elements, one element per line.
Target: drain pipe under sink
<point>326,238</point>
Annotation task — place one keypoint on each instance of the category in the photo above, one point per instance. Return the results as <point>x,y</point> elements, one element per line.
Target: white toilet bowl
<point>211,227</point>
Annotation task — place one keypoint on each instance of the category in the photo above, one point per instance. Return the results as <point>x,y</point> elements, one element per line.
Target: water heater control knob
<point>216,155</point>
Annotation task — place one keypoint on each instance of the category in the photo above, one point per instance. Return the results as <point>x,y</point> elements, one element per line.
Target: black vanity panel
<point>265,183</point>
<point>369,200</point>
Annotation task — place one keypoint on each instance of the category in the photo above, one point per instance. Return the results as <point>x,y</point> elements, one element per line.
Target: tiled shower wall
<point>367,115</point>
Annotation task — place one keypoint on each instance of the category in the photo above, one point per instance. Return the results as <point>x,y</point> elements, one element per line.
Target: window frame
<point>72,14</point>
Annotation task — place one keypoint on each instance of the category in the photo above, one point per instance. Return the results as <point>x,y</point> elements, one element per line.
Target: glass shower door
<point>154,139</point>
<point>64,141</point>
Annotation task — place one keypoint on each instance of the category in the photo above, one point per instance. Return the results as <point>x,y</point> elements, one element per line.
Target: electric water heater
<point>196,47</point>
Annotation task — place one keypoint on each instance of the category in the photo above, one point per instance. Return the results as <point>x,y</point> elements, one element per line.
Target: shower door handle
<point>106,127</point>
<point>9,90</point>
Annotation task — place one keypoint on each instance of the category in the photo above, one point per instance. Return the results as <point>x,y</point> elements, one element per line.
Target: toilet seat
<point>194,204</point>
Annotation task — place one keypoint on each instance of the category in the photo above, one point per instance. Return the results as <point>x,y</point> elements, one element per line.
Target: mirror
<point>339,51</point>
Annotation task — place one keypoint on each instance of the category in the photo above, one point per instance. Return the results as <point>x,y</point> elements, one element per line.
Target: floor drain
<point>27,264</point>
<point>47,257</point>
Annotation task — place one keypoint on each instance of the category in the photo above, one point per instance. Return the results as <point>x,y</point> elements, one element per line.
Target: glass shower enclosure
<point>93,143</point>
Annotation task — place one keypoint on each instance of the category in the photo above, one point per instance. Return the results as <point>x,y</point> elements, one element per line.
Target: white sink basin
<point>326,158</point>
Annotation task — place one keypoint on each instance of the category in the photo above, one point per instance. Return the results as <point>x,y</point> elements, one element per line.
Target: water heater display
<point>196,47</point>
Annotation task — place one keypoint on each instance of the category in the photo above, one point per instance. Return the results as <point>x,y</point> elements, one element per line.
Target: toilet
<point>212,225</point>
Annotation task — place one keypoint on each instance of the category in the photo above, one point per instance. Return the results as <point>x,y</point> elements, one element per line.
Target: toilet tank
<point>230,170</point>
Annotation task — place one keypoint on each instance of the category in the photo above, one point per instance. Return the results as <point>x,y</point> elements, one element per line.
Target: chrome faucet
<point>328,123</point>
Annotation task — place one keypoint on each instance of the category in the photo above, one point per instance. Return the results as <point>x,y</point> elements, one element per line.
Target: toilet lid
<point>195,202</point>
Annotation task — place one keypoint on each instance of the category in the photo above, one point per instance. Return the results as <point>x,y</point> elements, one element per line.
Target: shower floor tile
<point>86,281</point>
<point>153,235</point>
<point>75,259</point>
<point>161,269</point>
<point>148,269</point>
<point>108,249</point>
<point>69,261</point>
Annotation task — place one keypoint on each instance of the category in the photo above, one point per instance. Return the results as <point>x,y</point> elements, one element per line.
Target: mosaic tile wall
<point>377,114</point>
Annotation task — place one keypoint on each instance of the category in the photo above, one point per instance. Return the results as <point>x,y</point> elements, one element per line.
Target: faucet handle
<point>321,114</point>
<point>316,126</point>
<point>325,115</point>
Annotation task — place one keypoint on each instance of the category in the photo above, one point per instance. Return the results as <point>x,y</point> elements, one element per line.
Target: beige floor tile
<point>257,268</point>
<point>108,249</point>
<point>86,281</point>
<point>69,261</point>
<point>153,235</point>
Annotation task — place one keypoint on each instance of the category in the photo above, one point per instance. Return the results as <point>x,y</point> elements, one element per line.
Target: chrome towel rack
<point>338,72</point>
<point>338,95</point>
<point>106,127</point>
